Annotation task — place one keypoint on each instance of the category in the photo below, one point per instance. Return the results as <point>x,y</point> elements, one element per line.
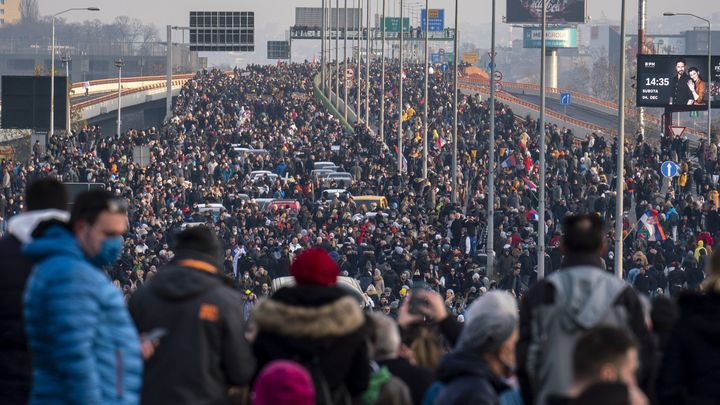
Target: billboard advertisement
<point>436,23</point>
<point>558,11</point>
<point>555,37</point>
<point>471,57</point>
<point>678,82</point>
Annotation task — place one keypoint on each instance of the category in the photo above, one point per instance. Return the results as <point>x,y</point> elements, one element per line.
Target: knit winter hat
<point>489,321</point>
<point>314,267</point>
<point>283,382</point>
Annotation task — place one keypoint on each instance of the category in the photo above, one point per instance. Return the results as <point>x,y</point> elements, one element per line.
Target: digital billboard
<point>26,102</point>
<point>558,11</point>
<point>221,31</point>
<point>278,50</point>
<point>677,82</point>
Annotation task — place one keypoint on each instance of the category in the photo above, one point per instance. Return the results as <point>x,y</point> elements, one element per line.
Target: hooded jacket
<point>590,295</point>
<point>468,380</point>
<point>691,364</point>
<point>15,367</point>
<point>320,327</point>
<point>85,348</point>
<point>203,321</point>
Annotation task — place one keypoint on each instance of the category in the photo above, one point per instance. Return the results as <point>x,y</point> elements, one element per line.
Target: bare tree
<point>29,11</point>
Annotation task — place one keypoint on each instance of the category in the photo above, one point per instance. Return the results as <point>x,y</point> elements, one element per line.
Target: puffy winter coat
<point>84,346</point>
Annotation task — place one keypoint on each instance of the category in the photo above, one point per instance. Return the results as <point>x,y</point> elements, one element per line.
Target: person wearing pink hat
<point>283,382</point>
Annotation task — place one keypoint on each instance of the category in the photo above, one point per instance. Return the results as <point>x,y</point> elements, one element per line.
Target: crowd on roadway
<point>231,202</point>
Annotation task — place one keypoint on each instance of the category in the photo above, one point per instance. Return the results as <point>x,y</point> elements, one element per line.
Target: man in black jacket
<point>587,297</point>
<point>202,353</point>
<point>46,200</point>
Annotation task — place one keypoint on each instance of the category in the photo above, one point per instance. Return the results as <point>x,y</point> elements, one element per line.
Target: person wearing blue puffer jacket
<point>85,348</point>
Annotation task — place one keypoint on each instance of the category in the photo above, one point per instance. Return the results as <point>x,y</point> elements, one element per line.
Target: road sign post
<point>677,130</point>
<point>669,169</point>
<point>565,101</point>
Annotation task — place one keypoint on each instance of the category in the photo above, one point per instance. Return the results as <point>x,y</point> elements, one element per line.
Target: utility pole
<point>359,56</point>
<point>455,111</point>
<point>337,54</point>
<point>345,62</point>
<point>368,59</point>
<point>491,155</point>
<point>382,76</point>
<point>425,104</point>
<point>541,197</point>
<point>620,154</point>
<point>400,105</point>
<point>168,78</point>
<point>119,64</point>
<point>322,49</point>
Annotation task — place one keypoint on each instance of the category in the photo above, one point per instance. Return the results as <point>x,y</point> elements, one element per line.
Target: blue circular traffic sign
<point>669,169</point>
<point>444,67</point>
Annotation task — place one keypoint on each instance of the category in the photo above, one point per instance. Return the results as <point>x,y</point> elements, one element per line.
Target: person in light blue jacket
<point>85,348</point>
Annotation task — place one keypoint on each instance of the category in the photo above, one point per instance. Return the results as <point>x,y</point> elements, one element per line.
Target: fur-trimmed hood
<point>333,318</point>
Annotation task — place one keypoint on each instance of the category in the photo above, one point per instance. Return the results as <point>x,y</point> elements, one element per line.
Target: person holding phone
<point>194,322</point>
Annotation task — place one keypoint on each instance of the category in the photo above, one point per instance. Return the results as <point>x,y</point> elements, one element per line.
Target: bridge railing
<point>631,111</point>
<point>113,96</point>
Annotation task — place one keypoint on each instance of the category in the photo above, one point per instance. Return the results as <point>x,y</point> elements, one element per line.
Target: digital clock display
<point>677,82</point>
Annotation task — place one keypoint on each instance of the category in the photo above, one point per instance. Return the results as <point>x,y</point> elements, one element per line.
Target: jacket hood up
<point>181,282</point>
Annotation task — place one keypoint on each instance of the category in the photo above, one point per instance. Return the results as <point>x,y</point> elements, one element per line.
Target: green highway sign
<point>392,24</point>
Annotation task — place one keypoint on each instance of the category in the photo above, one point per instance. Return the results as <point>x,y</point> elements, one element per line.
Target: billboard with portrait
<point>558,11</point>
<point>679,82</point>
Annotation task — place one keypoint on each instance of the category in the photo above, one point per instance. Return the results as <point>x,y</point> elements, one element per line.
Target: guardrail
<point>133,79</point>
<point>505,96</point>
<point>113,96</point>
<point>631,111</point>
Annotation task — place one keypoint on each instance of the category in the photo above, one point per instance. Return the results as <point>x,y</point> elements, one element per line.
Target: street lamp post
<point>52,64</point>
<point>455,111</point>
<point>708,79</point>
<point>425,95</point>
<point>119,64</point>
<point>541,144</point>
<point>491,158</point>
<point>66,59</point>
<point>620,180</point>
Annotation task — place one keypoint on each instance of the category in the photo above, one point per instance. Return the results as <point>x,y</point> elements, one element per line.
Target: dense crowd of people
<point>421,261</point>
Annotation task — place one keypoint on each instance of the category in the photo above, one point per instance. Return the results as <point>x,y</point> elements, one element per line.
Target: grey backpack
<point>584,298</point>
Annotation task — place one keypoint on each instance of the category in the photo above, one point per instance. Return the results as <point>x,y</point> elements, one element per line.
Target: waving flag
<point>532,215</point>
<point>651,226</point>
<point>509,162</point>
<point>529,184</point>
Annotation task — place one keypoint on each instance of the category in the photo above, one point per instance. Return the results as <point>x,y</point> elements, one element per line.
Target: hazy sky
<point>281,12</point>
<point>273,17</point>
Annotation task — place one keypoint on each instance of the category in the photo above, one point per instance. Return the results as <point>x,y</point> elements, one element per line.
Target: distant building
<point>9,11</point>
<point>696,41</point>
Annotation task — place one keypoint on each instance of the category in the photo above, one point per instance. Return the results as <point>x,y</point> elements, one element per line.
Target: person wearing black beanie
<point>188,308</point>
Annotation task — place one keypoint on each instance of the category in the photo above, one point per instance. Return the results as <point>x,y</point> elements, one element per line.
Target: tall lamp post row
<point>52,63</point>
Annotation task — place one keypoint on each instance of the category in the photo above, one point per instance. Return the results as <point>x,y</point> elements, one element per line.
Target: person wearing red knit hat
<point>317,324</point>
